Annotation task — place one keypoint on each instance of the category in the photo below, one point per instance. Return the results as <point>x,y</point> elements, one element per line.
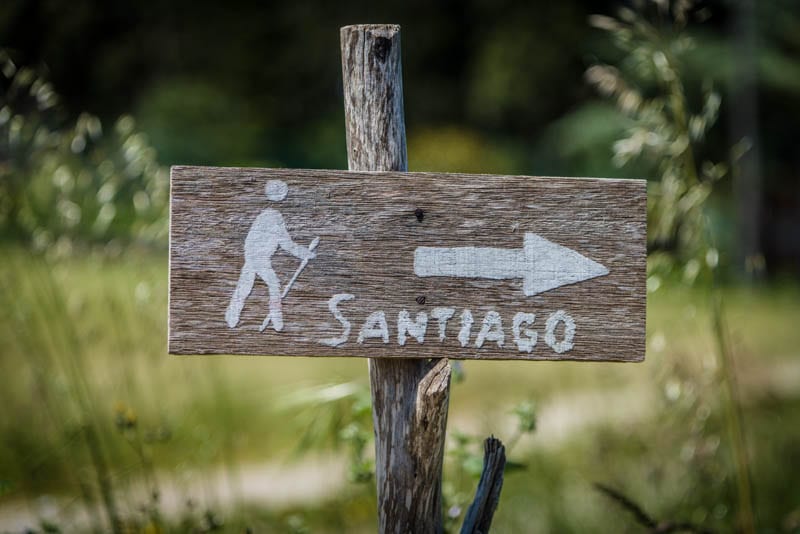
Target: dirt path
<point>316,479</point>
<point>272,485</point>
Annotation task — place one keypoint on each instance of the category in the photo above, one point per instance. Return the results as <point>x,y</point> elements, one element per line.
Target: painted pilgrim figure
<point>267,234</point>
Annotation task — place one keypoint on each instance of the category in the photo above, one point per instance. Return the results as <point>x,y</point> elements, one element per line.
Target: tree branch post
<point>409,396</point>
<point>487,496</point>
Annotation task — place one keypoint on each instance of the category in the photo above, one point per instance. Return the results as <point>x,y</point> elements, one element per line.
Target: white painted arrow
<point>542,264</point>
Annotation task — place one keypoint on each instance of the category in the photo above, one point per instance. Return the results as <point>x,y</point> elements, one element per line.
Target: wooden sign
<point>415,265</point>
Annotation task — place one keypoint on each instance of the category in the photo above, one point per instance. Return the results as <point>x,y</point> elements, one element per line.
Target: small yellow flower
<point>124,416</point>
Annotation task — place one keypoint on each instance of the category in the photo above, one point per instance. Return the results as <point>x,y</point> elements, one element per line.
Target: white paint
<point>466,327</point>
<point>266,235</point>
<point>289,285</point>
<point>491,330</point>
<point>276,190</point>
<point>525,336</point>
<point>442,315</point>
<point>406,327</point>
<point>542,264</point>
<point>565,344</point>
<point>374,327</point>
<point>333,304</point>
<point>527,343</point>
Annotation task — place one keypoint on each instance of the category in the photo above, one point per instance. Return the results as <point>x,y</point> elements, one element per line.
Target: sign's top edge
<point>410,174</point>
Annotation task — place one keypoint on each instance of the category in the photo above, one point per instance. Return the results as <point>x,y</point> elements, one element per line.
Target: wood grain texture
<point>373,97</point>
<point>410,400</point>
<point>369,228</point>
<point>410,397</point>
<point>480,513</point>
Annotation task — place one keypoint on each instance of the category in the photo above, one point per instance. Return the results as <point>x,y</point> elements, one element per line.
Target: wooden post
<point>409,396</point>
<point>487,496</point>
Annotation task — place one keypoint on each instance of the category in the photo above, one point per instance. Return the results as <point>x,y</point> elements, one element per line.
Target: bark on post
<point>487,496</point>
<point>409,397</point>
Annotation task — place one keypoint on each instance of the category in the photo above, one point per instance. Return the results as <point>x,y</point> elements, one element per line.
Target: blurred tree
<point>743,114</point>
<point>62,180</point>
<point>267,82</point>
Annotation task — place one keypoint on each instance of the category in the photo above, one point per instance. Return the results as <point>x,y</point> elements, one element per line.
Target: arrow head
<point>549,265</point>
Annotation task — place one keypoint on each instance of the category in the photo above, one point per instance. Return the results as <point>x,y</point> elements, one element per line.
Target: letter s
<point>332,306</point>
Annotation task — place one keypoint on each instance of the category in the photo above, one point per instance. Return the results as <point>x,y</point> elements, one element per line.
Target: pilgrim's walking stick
<point>299,270</point>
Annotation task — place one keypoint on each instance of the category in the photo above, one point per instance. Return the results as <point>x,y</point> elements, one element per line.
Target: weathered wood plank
<point>371,227</point>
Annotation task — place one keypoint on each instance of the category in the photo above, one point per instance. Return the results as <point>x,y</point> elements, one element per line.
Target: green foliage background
<point>490,87</point>
<point>97,99</point>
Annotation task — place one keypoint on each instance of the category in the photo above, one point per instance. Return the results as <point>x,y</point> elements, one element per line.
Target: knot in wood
<point>381,48</point>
